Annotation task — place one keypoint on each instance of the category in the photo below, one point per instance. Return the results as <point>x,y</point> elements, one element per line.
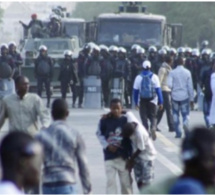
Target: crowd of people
<point>154,82</point>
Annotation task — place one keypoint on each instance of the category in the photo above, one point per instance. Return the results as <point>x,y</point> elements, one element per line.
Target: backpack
<point>147,92</point>
<point>43,68</point>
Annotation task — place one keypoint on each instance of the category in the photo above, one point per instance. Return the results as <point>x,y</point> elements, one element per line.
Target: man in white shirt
<point>23,109</point>
<point>147,85</point>
<point>182,92</point>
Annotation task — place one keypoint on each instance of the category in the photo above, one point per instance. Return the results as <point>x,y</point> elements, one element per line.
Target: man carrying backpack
<point>44,72</point>
<point>147,85</point>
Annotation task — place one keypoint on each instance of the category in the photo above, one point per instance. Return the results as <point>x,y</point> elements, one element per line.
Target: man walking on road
<point>148,86</point>
<point>23,108</point>
<point>109,134</point>
<point>63,147</point>
<point>182,92</point>
<point>166,92</point>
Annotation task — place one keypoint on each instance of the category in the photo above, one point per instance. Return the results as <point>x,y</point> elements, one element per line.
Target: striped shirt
<point>63,147</point>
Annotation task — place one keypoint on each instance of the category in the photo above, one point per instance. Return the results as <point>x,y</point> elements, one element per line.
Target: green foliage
<point>198,18</point>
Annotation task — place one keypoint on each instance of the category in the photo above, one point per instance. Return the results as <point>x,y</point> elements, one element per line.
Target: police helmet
<point>140,50</point>
<point>188,50</point>
<point>67,53</point>
<point>173,51</point>
<point>53,16</point>
<point>91,45</point>
<point>4,46</point>
<point>205,43</point>
<point>206,52</point>
<point>43,47</point>
<point>152,49</point>
<point>104,48</point>
<point>135,46</point>
<point>166,48</point>
<point>212,56</point>
<point>162,52</point>
<point>181,50</point>
<point>12,43</point>
<point>122,50</point>
<point>195,52</point>
<point>113,48</point>
<point>96,47</point>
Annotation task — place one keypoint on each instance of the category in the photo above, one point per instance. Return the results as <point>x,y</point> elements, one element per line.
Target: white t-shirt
<point>155,81</point>
<point>141,140</point>
<point>7,187</point>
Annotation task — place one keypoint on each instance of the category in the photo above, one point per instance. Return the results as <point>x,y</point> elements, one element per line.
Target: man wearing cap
<point>147,86</point>
<point>35,25</point>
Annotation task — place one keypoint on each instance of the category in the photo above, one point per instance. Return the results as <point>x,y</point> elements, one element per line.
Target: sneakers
<point>153,134</point>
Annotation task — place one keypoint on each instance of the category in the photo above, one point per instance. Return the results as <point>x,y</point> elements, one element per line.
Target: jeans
<point>206,111</point>
<point>65,189</point>
<point>148,110</point>
<point>167,106</point>
<point>184,108</point>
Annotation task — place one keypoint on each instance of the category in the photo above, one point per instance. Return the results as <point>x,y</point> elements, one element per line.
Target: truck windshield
<point>55,45</point>
<point>75,29</point>
<point>129,32</point>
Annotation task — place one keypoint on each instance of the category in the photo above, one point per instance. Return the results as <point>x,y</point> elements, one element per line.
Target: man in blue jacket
<point>147,86</point>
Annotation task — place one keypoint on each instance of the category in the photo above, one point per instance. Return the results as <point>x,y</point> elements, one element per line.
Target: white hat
<point>68,52</point>
<point>146,64</point>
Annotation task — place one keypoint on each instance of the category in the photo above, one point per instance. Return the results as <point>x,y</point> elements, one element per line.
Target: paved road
<point>167,162</point>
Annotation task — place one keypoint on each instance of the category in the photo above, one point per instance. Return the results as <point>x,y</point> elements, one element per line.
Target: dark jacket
<point>39,60</point>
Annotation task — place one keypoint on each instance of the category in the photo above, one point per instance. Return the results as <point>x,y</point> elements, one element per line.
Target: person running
<point>182,93</point>
<point>63,147</point>
<point>23,109</point>
<point>109,134</point>
<point>21,160</point>
<point>147,85</point>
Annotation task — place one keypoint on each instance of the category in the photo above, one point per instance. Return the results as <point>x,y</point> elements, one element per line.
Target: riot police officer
<point>67,76</point>
<point>152,57</point>
<point>188,52</point>
<point>106,72</point>
<point>122,70</point>
<point>84,54</point>
<point>204,45</point>
<point>93,63</point>
<point>54,26</point>
<point>44,72</point>
<point>7,65</point>
<point>17,59</point>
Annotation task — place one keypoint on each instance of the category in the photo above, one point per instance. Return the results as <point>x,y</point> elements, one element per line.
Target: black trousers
<point>80,93</point>
<point>167,106</point>
<point>64,86</point>
<point>148,110</point>
<point>105,91</point>
<point>47,82</point>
